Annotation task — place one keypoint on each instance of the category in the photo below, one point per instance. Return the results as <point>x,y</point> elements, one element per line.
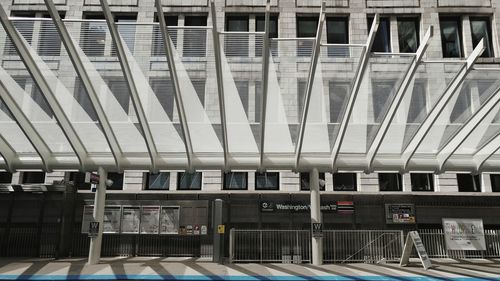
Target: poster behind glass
<point>150,220</point>
<point>112,215</point>
<point>88,216</point>
<point>169,220</point>
<point>131,219</point>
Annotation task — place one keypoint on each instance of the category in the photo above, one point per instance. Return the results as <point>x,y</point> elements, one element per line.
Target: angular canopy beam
<point>431,118</point>
<point>86,82</point>
<point>403,87</point>
<point>47,90</point>
<point>9,155</point>
<point>220,83</point>
<point>41,147</point>
<point>363,64</point>
<point>454,143</point>
<point>181,110</point>
<point>486,151</point>
<point>132,85</point>
<point>265,82</point>
<point>310,81</point>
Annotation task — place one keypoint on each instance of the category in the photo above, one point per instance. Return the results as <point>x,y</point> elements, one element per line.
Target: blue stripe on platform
<point>229,278</point>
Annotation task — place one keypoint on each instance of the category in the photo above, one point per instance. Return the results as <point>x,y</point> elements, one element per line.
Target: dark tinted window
<point>382,42</point>
<point>468,183</point>
<point>344,182</point>
<point>304,181</point>
<point>408,33</point>
<point>273,33</point>
<point>267,181</point>
<point>158,48</point>
<point>117,179</point>
<point>189,181</point>
<point>338,91</point>
<point>93,36</point>
<point>78,180</point>
<point>422,182</point>
<point>451,37</point>
<point>5,178</point>
<point>390,182</point>
<point>236,44</point>
<point>337,32</point>
<point>158,181</point>
<point>33,177</point>
<point>481,29</point>
<point>235,180</point>
<point>195,40</point>
<point>306,27</point>
<point>495,182</point>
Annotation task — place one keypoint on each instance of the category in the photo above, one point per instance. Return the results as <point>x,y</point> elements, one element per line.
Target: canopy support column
<point>98,216</point>
<point>384,126</point>
<point>47,90</point>
<point>317,241</point>
<point>131,82</point>
<point>175,84</point>
<point>86,82</point>
<point>355,89</point>
<point>467,129</point>
<point>310,81</point>
<point>220,83</point>
<point>426,126</point>
<point>265,82</point>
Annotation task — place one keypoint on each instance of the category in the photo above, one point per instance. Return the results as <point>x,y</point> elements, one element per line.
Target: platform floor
<point>193,269</point>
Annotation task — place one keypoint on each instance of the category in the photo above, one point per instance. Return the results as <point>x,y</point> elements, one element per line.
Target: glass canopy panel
<point>98,55</point>
<point>475,90</point>
<point>428,84</point>
<point>242,72</point>
<point>380,82</point>
<point>12,133</point>
<point>194,61</point>
<point>26,94</point>
<point>332,87</point>
<point>288,72</point>
<point>154,84</point>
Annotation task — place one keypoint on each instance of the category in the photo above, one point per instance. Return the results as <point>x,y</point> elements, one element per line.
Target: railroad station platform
<point>195,269</point>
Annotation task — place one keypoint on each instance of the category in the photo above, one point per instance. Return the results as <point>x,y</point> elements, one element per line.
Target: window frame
<point>457,19</point>
<point>399,181</point>
<point>489,51</point>
<point>354,177</point>
<point>383,20</point>
<point>429,179</point>
<point>26,179</point>
<point>224,180</point>
<point>410,18</point>
<point>147,179</point>
<point>493,179</point>
<point>179,180</point>
<point>303,187</point>
<point>474,179</point>
<point>115,186</point>
<point>278,180</point>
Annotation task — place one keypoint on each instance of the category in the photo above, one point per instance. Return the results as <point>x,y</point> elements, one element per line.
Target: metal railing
<point>289,246</point>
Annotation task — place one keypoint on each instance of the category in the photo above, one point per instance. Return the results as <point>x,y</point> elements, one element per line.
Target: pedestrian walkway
<point>193,269</point>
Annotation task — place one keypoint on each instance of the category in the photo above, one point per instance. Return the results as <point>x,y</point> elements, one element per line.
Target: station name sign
<point>345,207</point>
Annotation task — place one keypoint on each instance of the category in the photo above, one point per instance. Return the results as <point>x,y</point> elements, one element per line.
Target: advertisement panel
<point>400,214</point>
<point>131,218</point>
<point>150,219</point>
<point>169,220</point>
<point>464,234</point>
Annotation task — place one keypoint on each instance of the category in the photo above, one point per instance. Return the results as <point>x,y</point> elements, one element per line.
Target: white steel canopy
<point>144,96</point>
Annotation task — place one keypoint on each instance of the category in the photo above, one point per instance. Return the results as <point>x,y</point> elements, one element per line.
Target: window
<point>381,92</point>
<point>117,179</point>
<point>339,91</point>
<point>306,27</point>
<point>337,32</point>
<point>158,181</point>
<point>49,41</point>
<point>408,33</point>
<point>158,47</point>
<point>390,182</point>
<point>462,109</point>
<point>126,31</point>
<point>495,182</point>
<point>195,40</point>
<point>78,180</point>
<point>5,178</point>
<point>27,83</point>
<point>344,182</point>
<point>304,181</point>
<point>481,29</point>
<point>242,87</point>
<point>260,23</point>
<point>235,181</point>
<point>267,181</point>
<point>26,30</point>
<point>418,105</point>
<point>164,91</point>
<point>451,37</point>
<point>468,183</point>
<point>382,42</point>
<point>82,97</point>
<point>422,182</point>
<point>93,36</point>
<point>236,44</point>
<point>33,177</point>
<point>119,88</point>
<point>189,181</point>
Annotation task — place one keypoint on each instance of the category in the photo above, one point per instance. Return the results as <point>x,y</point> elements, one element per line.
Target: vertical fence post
<point>261,254</point>
<point>231,245</point>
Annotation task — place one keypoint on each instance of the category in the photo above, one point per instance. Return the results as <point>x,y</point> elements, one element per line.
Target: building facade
<point>364,192</point>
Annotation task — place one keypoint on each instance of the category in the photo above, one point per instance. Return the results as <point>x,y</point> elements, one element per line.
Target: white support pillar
<point>98,216</point>
<point>317,242</point>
